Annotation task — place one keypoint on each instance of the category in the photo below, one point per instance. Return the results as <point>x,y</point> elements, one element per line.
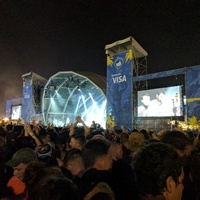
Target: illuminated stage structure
<point>14,108</point>
<point>69,94</point>
<point>189,96</point>
<point>29,106</point>
<point>126,59</point>
<point>127,77</point>
<point>33,87</point>
<point>61,98</point>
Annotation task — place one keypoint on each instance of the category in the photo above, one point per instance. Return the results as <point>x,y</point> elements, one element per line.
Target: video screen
<point>160,102</point>
<point>16,112</point>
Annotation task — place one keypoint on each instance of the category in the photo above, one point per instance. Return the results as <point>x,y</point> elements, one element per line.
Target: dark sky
<point>47,36</point>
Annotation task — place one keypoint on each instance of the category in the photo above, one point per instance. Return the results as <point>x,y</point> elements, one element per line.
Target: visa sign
<point>119,79</point>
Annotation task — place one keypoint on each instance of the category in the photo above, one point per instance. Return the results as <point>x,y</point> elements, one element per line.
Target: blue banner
<point>27,100</point>
<point>119,88</point>
<point>8,108</point>
<point>173,72</point>
<point>193,91</point>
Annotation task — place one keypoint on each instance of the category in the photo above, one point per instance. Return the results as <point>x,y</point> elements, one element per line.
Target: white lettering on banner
<point>119,79</point>
<point>116,75</point>
<point>26,96</point>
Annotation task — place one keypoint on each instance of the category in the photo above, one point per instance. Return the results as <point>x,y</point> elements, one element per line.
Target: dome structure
<point>69,94</point>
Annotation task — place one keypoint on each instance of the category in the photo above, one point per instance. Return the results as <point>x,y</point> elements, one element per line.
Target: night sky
<point>46,36</point>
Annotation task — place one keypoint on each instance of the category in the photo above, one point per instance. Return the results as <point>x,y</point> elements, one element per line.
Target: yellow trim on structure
<point>193,99</point>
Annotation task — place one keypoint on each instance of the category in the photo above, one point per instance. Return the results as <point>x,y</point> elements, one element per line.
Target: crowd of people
<point>79,162</point>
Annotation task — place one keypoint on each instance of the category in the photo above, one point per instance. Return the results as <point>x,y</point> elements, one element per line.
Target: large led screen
<point>160,102</point>
<point>16,112</point>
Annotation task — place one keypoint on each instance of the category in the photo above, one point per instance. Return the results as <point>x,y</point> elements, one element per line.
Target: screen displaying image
<point>160,102</point>
<point>16,112</point>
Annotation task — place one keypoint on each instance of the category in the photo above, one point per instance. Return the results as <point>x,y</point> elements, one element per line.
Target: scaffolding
<point>139,67</point>
<point>33,86</point>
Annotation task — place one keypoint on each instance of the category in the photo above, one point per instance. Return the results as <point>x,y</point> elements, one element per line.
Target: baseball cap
<point>136,140</point>
<point>44,150</point>
<point>24,155</point>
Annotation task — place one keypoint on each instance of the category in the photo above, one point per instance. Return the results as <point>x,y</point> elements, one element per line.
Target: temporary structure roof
<point>126,44</point>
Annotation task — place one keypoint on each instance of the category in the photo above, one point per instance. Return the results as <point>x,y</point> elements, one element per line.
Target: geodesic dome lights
<point>70,94</point>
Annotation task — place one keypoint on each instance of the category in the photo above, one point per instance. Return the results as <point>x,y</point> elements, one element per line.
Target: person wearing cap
<point>19,163</point>
<point>48,155</point>
<point>135,142</point>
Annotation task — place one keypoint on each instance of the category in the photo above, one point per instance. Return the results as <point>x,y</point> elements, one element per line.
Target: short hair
<point>153,165</point>
<point>57,188</point>
<point>9,127</point>
<point>72,154</point>
<point>94,149</point>
<point>79,137</point>
<point>43,134</point>
<point>145,133</point>
<point>176,139</point>
<point>161,91</point>
<point>144,93</point>
<point>44,183</point>
<point>124,137</point>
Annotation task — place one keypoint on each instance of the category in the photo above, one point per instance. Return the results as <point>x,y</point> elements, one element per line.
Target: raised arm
<point>72,128</point>
<point>29,132</point>
<point>86,129</point>
<point>79,120</point>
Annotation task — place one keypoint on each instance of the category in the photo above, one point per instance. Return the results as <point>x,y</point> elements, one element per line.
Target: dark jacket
<point>122,181</point>
<point>91,178</point>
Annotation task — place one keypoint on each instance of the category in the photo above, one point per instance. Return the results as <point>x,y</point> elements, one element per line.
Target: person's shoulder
<point>141,108</point>
<point>16,184</point>
<point>14,179</point>
<point>121,164</point>
<point>101,187</point>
